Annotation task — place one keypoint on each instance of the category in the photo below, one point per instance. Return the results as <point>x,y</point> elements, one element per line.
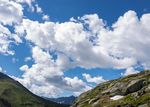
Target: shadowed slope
<point>13,94</point>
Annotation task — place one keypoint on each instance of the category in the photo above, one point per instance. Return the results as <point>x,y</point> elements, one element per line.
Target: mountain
<point>13,94</point>
<point>63,100</point>
<point>130,91</point>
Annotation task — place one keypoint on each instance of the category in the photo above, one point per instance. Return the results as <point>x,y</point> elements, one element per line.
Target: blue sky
<point>108,10</point>
<point>70,73</point>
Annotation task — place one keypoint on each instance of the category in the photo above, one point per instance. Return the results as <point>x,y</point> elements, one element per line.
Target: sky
<point>66,47</point>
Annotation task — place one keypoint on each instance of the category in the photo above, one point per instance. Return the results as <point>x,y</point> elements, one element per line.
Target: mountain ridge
<point>63,100</point>
<point>13,94</point>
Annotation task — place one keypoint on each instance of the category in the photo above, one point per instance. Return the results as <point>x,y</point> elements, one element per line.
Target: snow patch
<point>117,97</point>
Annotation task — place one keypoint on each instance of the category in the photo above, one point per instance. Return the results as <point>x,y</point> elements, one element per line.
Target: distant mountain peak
<point>63,100</point>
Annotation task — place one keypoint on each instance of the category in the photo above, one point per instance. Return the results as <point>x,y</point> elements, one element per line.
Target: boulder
<point>135,85</point>
<point>143,105</point>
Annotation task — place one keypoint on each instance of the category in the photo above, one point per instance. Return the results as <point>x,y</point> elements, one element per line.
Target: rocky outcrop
<point>134,91</point>
<point>135,85</point>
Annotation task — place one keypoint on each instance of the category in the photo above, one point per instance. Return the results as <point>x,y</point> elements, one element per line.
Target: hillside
<point>13,94</point>
<point>130,91</point>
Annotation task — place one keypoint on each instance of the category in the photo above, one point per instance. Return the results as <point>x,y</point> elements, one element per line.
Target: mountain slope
<point>63,100</point>
<point>130,91</point>
<point>13,94</point>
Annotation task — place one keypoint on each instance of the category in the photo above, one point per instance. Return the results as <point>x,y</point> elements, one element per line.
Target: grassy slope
<point>13,94</point>
<point>104,100</point>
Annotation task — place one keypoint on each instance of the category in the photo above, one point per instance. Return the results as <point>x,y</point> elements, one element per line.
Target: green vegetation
<point>13,94</point>
<point>135,89</point>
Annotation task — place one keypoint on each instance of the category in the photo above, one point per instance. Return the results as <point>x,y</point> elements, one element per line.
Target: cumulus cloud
<point>74,83</point>
<point>45,17</point>
<point>10,12</point>
<point>130,71</point>
<point>38,9</point>
<point>97,80</point>
<point>124,42</point>
<point>1,70</point>
<point>72,39</point>
<point>24,68</point>
<point>86,42</point>
<point>27,59</point>
<point>29,2</point>
<point>34,30</point>
<point>6,38</point>
<point>47,75</point>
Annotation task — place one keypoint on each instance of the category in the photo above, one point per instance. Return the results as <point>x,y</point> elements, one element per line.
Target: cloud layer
<point>97,80</point>
<point>86,42</point>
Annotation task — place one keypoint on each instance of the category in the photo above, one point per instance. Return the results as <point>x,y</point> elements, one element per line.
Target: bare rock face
<point>145,105</point>
<point>135,90</point>
<point>135,85</point>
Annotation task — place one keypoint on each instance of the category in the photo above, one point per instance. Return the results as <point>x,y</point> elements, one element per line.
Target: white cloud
<point>124,42</point>
<point>6,38</point>
<point>24,68</point>
<point>29,2</point>
<point>71,39</point>
<point>10,12</point>
<point>30,5</point>
<point>4,42</point>
<point>86,42</point>
<point>45,72</point>
<point>47,90</point>
<point>97,80</point>
<point>38,9</point>
<point>1,70</point>
<point>129,71</point>
<point>27,59</point>
<point>94,22</point>
<point>74,83</point>
<point>45,17</point>
<point>33,28</point>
